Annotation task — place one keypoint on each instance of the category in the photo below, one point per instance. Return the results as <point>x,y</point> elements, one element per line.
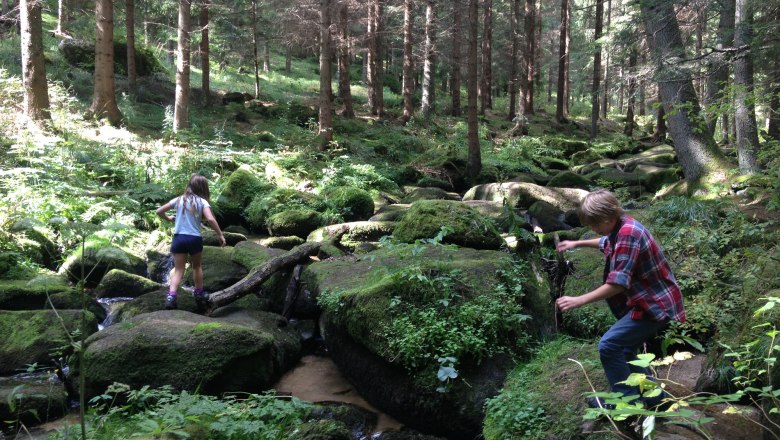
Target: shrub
<point>352,203</point>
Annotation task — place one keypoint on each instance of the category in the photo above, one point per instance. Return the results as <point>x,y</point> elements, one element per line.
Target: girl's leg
<point>197,270</point>
<point>179,261</point>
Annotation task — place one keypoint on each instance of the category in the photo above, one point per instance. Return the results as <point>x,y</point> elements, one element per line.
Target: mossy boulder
<point>98,258</point>
<point>219,269</point>
<point>251,256</point>
<point>118,283</point>
<point>298,222</point>
<point>391,213</point>
<point>231,238</point>
<point>566,146</point>
<point>242,351</point>
<point>569,179</point>
<point>263,206</point>
<point>285,243</point>
<point>241,187</point>
<point>552,163</point>
<point>588,263</point>
<point>546,216</point>
<point>468,227</point>
<point>353,203</point>
<point>501,216</point>
<point>35,400</point>
<point>321,430</point>
<point>523,194</point>
<point>658,155</point>
<point>655,177</point>
<point>81,54</point>
<point>414,194</point>
<point>30,336</point>
<point>354,234</point>
<point>30,294</point>
<point>40,246</point>
<point>584,157</point>
<point>369,298</point>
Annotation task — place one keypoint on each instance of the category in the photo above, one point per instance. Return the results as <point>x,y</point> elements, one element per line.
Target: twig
<point>612,422</point>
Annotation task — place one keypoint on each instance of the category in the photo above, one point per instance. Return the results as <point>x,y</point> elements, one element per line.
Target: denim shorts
<point>186,244</point>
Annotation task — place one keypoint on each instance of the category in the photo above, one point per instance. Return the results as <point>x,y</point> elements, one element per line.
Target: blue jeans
<point>619,345</point>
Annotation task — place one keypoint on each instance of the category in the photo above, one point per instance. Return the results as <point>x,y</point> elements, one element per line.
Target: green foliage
<point>342,171</point>
<point>349,202</point>
<point>266,205</point>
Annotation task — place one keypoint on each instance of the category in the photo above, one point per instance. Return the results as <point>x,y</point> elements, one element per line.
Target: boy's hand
<point>565,303</point>
<point>565,245</point>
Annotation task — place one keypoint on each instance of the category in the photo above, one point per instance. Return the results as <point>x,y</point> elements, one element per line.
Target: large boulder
<point>467,227</point>
<point>118,283</point>
<point>352,203</point>
<point>30,400</point>
<point>31,336</point>
<point>31,294</point>
<point>414,194</point>
<point>392,314</point>
<point>354,233</point>
<point>265,205</point>
<point>219,269</point>
<point>503,218</point>
<point>97,260</point>
<point>299,222</point>
<point>569,179</point>
<point>241,187</point>
<point>40,246</point>
<point>390,213</point>
<point>241,351</point>
<point>523,194</point>
<point>546,216</point>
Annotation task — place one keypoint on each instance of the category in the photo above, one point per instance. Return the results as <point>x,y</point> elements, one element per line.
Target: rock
<point>81,54</point>
<point>219,269</point>
<point>31,336</point>
<point>353,203</point>
<point>31,294</point>
<point>231,239</point>
<point>240,351</point>
<point>523,195</point>
<point>414,194</point>
<point>118,283</point>
<point>354,233</point>
<point>36,400</point>
<point>241,187</point>
<point>569,179</point>
<point>496,212</point>
<point>236,229</point>
<point>285,243</point>
<point>40,247</point>
<point>97,260</point>
<point>567,146</point>
<point>321,430</point>
<point>585,157</point>
<point>468,227</point>
<point>390,213</point>
<point>273,291</point>
<point>263,206</point>
<point>546,216</point>
<point>233,97</point>
<point>299,222</point>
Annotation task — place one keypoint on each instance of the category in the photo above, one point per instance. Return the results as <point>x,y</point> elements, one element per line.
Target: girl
<point>191,207</point>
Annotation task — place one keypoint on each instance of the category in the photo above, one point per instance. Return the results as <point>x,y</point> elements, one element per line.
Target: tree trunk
<point>62,15</point>
<point>561,107</point>
<point>428,105</point>
<point>605,101</point>
<point>326,114</point>
<point>375,83</point>
<point>552,73</point>
<point>407,63</point>
<point>660,123</point>
<point>36,90</point>
<point>474,165</point>
<point>288,59</point>
<point>514,30</point>
<point>538,49</point>
<point>182,106</point>
<point>255,49</point>
<point>266,55</point>
<point>724,128</point>
<point>773,126</point>
<point>594,113</point>
<point>486,84</point>
<point>456,55</point>
<point>528,58</point>
<point>345,90</point>
<point>628,130</point>
<point>642,104</point>
<point>717,64</point>
<point>104,99</point>
<point>256,277</point>
<point>702,162</point>
<point>745,112</point>
<point>132,73</point>
<point>205,65</point>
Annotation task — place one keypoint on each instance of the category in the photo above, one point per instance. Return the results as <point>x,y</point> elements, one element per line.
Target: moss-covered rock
<point>81,54</point>
<point>118,283</point>
<point>546,216</point>
<point>285,243</point>
<point>219,269</point>
<point>251,256</point>
<point>30,336</point>
<point>35,400</point>
<point>352,203</point>
<point>298,222</point>
<point>263,206</point>
<point>354,234</point>
<point>241,187</point>
<point>414,194</point>
<point>31,294</point>
<point>100,257</point>
<point>390,213</point>
<point>40,246</point>
<point>566,146</point>
<point>523,194</point>
<point>356,418</point>
<point>569,179</point>
<point>585,157</point>
<point>500,215</point>
<point>468,227</point>
<point>321,430</point>
<point>552,163</point>
<point>244,351</point>
<point>231,238</point>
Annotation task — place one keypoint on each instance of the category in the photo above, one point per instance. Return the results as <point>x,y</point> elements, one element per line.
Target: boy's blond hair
<point>599,206</point>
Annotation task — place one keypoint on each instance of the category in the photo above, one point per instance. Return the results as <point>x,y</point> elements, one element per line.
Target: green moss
<point>568,179</point>
<point>264,206</point>
<point>241,186</point>
<point>205,327</point>
<point>298,222</point>
<point>352,203</point>
<point>321,430</point>
<point>468,227</point>
<point>31,294</point>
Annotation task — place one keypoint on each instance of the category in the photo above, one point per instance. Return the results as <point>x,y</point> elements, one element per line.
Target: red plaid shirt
<point>636,262</point>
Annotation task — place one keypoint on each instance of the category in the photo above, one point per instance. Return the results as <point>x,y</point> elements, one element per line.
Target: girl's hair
<point>599,206</point>
<point>198,186</point>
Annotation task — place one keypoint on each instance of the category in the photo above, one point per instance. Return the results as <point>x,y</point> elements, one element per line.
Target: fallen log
<point>260,274</point>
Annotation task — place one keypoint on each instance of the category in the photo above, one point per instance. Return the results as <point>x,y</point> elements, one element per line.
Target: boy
<point>638,286</point>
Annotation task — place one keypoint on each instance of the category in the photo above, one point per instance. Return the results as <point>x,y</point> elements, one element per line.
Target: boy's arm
<point>604,291</point>
<point>571,244</point>
<point>161,212</point>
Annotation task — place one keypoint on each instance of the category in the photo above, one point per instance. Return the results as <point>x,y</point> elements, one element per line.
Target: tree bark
<point>605,101</point>
<point>255,49</point>
<point>205,65</point>
<point>474,165</point>
<point>642,86</point>
<point>594,113</point>
<point>745,112</point>
<point>717,64</point>
<point>326,114</point>
<point>561,106</point>
<point>628,130</point>
<point>407,64</point>
<point>528,58</point>
<point>36,90</point>
<point>375,68</point>
<point>288,59</point>
<point>428,105</point>
<point>266,55</point>
<point>62,15</point>
<point>701,160</point>
<point>773,126</point>
<point>182,107</point>
<point>132,73</point>
<point>104,98</point>
<point>514,30</point>
<point>486,84</point>
<point>345,90</point>
<point>456,57</point>
<point>659,135</point>
<point>256,277</point>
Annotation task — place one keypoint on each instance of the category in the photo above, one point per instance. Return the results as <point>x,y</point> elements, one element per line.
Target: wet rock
<point>298,222</point>
<point>118,283</point>
<point>36,398</point>
<point>219,269</point>
<point>30,294</point>
<point>97,260</point>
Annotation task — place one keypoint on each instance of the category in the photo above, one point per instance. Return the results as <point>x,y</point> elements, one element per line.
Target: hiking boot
<point>598,402</point>
<point>170,302</point>
<point>201,300</point>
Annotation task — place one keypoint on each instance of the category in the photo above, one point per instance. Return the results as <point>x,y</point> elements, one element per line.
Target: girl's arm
<point>161,212</point>
<point>571,244</point>
<point>209,216</point>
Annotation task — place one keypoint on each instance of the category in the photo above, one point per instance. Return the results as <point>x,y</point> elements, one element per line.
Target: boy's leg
<point>619,345</point>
